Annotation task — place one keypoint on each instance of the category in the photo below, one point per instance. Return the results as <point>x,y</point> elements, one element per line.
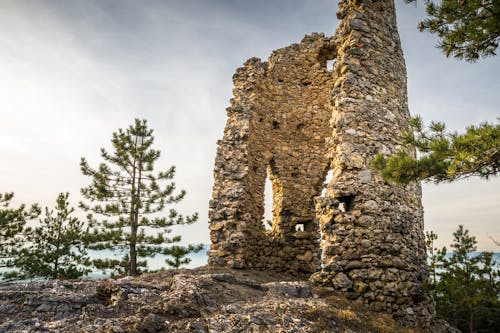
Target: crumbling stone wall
<point>296,119</point>
<point>277,125</point>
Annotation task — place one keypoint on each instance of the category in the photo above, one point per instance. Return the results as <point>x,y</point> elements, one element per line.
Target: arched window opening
<point>326,183</point>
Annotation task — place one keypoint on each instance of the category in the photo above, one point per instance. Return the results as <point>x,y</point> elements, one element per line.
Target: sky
<point>73,72</point>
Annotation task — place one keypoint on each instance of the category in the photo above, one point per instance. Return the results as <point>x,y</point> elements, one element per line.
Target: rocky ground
<point>201,300</point>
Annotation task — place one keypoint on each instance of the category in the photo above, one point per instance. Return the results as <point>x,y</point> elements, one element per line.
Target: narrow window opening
<point>346,203</point>
<point>329,64</point>
<point>268,203</point>
<point>276,124</point>
<point>328,180</point>
<point>299,227</point>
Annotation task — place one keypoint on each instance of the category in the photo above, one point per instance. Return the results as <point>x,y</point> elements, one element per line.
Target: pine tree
<point>53,249</point>
<point>436,256</point>
<point>466,29</point>
<point>130,197</point>
<point>178,255</point>
<point>443,157</point>
<point>12,222</point>
<point>467,287</point>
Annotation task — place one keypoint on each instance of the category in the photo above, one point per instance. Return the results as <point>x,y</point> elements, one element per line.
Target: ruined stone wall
<point>293,118</point>
<point>277,125</point>
<point>373,241</point>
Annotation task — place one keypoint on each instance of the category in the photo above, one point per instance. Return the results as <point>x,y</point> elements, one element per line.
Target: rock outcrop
<point>201,300</point>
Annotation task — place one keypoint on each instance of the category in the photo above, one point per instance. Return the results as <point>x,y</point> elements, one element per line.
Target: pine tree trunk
<point>471,321</point>
<point>58,243</point>
<point>133,236</point>
<point>133,221</point>
<point>56,266</point>
<point>135,218</point>
<point>136,226</point>
<point>133,253</point>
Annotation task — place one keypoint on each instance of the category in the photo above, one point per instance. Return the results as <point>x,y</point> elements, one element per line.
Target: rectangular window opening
<point>346,203</point>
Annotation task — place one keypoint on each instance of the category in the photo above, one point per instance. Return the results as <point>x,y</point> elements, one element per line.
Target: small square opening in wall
<point>329,64</point>
<point>299,227</point>
<point>346,203</point>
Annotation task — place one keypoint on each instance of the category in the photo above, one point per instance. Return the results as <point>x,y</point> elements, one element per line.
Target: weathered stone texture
<point>296,119</point>
<point>204,300</point>
<point>277,125</point>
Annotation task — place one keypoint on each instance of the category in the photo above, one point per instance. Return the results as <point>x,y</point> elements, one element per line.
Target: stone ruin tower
<point>292,119</point>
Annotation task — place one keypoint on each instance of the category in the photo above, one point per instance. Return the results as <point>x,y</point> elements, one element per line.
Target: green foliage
<point>436,256</point>
<point>467,29</point>
<point>53,249</point>
<point>129,197</point>
<point>12,222</point>
<point>179,253</point>
<point>466,286</point>
<point>443,156</point>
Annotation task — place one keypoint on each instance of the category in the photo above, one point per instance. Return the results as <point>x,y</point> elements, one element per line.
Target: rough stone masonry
<point>293,119</point>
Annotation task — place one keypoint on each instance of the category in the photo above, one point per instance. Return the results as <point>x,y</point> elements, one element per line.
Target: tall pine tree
<point>130,196</point>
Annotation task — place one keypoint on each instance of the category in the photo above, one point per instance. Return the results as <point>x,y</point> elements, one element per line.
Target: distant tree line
<point>125,200</point>
<point>465,284</point>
